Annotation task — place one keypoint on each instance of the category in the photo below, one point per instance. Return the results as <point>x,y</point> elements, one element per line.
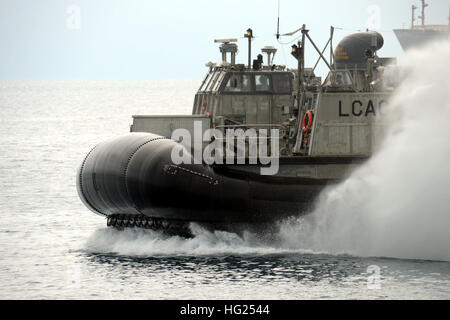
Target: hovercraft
<point>261,144</point>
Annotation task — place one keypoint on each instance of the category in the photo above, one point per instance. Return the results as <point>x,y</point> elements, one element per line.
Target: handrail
<point>249,125</point>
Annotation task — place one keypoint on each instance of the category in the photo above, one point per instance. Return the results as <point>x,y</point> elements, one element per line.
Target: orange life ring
<point>307,125</point>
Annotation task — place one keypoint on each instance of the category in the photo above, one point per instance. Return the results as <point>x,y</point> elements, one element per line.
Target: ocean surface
<point>52,247</point>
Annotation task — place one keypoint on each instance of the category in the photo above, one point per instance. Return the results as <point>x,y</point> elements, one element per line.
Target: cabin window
<point>206,82</point>
<point>213,81</point>
<point>262,82</point>
<point>281,83</point>
<point>238,83</point>
<point>342,78</point>
<point>218,81</point>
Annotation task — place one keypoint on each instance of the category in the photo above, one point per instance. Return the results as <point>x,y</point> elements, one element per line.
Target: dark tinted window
<point>281,83</point>
<point>342,78</point>
<point>238,82</point>
<point>262,82</point>
<point>206,82</point>
<point>218,81</point>
<point>213,81</point>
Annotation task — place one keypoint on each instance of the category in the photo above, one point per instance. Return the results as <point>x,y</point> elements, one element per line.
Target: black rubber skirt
<point>134,175</point>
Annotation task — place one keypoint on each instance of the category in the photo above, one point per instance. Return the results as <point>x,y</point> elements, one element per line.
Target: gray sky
<point>173,39</point>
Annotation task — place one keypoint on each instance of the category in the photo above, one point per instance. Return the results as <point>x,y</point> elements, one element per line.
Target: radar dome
<point>355,48</point>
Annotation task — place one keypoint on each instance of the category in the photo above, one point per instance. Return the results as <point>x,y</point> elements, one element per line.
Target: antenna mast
<point>422,17</point>
<point>278,21</point>
<point>249,35</point>
<point>413,18</point>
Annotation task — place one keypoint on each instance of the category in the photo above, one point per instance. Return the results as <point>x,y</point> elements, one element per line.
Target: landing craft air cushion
<point>315,132</point>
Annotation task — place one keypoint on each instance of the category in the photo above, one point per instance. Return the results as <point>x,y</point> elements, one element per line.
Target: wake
<point>398,203</point>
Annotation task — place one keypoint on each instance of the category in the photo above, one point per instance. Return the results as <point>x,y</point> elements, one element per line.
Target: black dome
<point>354,48</point>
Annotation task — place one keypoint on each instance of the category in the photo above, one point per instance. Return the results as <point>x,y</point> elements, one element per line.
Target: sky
<point>173,39</point>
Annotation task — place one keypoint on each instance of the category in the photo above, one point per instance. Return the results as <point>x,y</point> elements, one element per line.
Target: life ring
<point>306,124</point>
